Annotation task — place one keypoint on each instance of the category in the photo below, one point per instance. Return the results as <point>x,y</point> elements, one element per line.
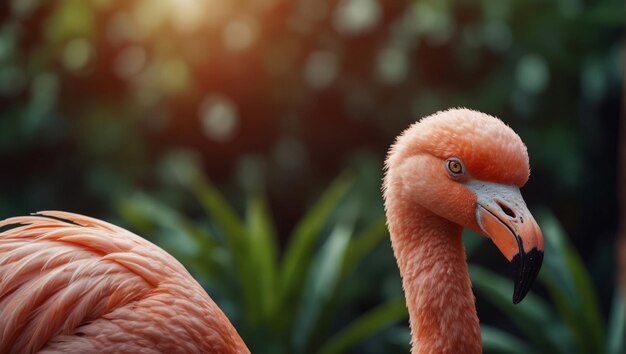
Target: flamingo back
<point>74,284</point>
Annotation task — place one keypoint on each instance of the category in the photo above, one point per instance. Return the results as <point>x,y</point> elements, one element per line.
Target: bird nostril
<point>506,210</point>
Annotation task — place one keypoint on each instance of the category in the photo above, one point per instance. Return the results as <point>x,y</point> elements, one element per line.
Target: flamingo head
<point>468,167</point>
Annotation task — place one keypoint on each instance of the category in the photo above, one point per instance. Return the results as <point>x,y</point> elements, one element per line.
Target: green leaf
<point>559,296</point>
<point>263,253</point>
<point>144,211</point>
<point>299,251</point>
<point>237,241</point>
<point>195,245</point>
<point>322,279</point>
<point>570,287</point>
<point>220,211</point>
<point>533,316</point>
<point>363,243</point>
<point>498,341</point>
<point>366,325</point>
<point>616,338</point>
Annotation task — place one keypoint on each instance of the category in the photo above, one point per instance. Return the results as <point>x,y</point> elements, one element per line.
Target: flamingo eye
<point>455,167</point>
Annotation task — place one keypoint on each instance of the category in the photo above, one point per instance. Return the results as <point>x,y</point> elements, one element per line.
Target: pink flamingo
<point>454,169</point>
<point>73,284</point>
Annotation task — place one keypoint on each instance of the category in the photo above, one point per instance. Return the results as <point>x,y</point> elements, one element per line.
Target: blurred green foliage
<point>100,89</point>
<point>279,304</point>
<point>96,97</point>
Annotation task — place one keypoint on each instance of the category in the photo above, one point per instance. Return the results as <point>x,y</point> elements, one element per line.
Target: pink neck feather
<point>430,254</point>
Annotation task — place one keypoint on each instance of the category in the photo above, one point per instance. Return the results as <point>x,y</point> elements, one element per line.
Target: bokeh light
<point>532,73</point>
<point>321,69</point>
<point>130,62</point>
<point>77,54</point>
<point>218,115</point>
<point>356,16</point>
<point>239,34</point>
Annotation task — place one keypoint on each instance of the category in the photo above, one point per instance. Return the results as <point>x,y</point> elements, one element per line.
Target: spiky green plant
<point>280,303</point>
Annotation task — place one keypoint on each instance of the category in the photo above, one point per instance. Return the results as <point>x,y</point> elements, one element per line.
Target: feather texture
<point>74,284</point>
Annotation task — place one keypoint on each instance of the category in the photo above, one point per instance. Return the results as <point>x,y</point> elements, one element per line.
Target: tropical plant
<point>279,303</point>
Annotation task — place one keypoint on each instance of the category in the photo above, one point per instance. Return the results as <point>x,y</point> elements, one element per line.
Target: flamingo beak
<point>503,216</point>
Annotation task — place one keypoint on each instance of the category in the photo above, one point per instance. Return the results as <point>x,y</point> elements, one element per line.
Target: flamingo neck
<point>431,257</point>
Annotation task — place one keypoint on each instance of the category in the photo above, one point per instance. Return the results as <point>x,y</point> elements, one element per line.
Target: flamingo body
<point>73,284</point>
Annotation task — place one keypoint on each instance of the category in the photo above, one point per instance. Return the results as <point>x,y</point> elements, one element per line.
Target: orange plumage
<point>73,284</point>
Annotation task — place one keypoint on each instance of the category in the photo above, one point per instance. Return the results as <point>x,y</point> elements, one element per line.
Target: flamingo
<point>457,168</point>
<point>74,284</point>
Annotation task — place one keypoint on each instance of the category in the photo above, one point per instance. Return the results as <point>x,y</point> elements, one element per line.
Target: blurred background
<point>247,137</point>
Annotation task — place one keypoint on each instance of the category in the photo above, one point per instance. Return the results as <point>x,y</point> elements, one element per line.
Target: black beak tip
<point>526,266</point>
<point>518,295</point>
